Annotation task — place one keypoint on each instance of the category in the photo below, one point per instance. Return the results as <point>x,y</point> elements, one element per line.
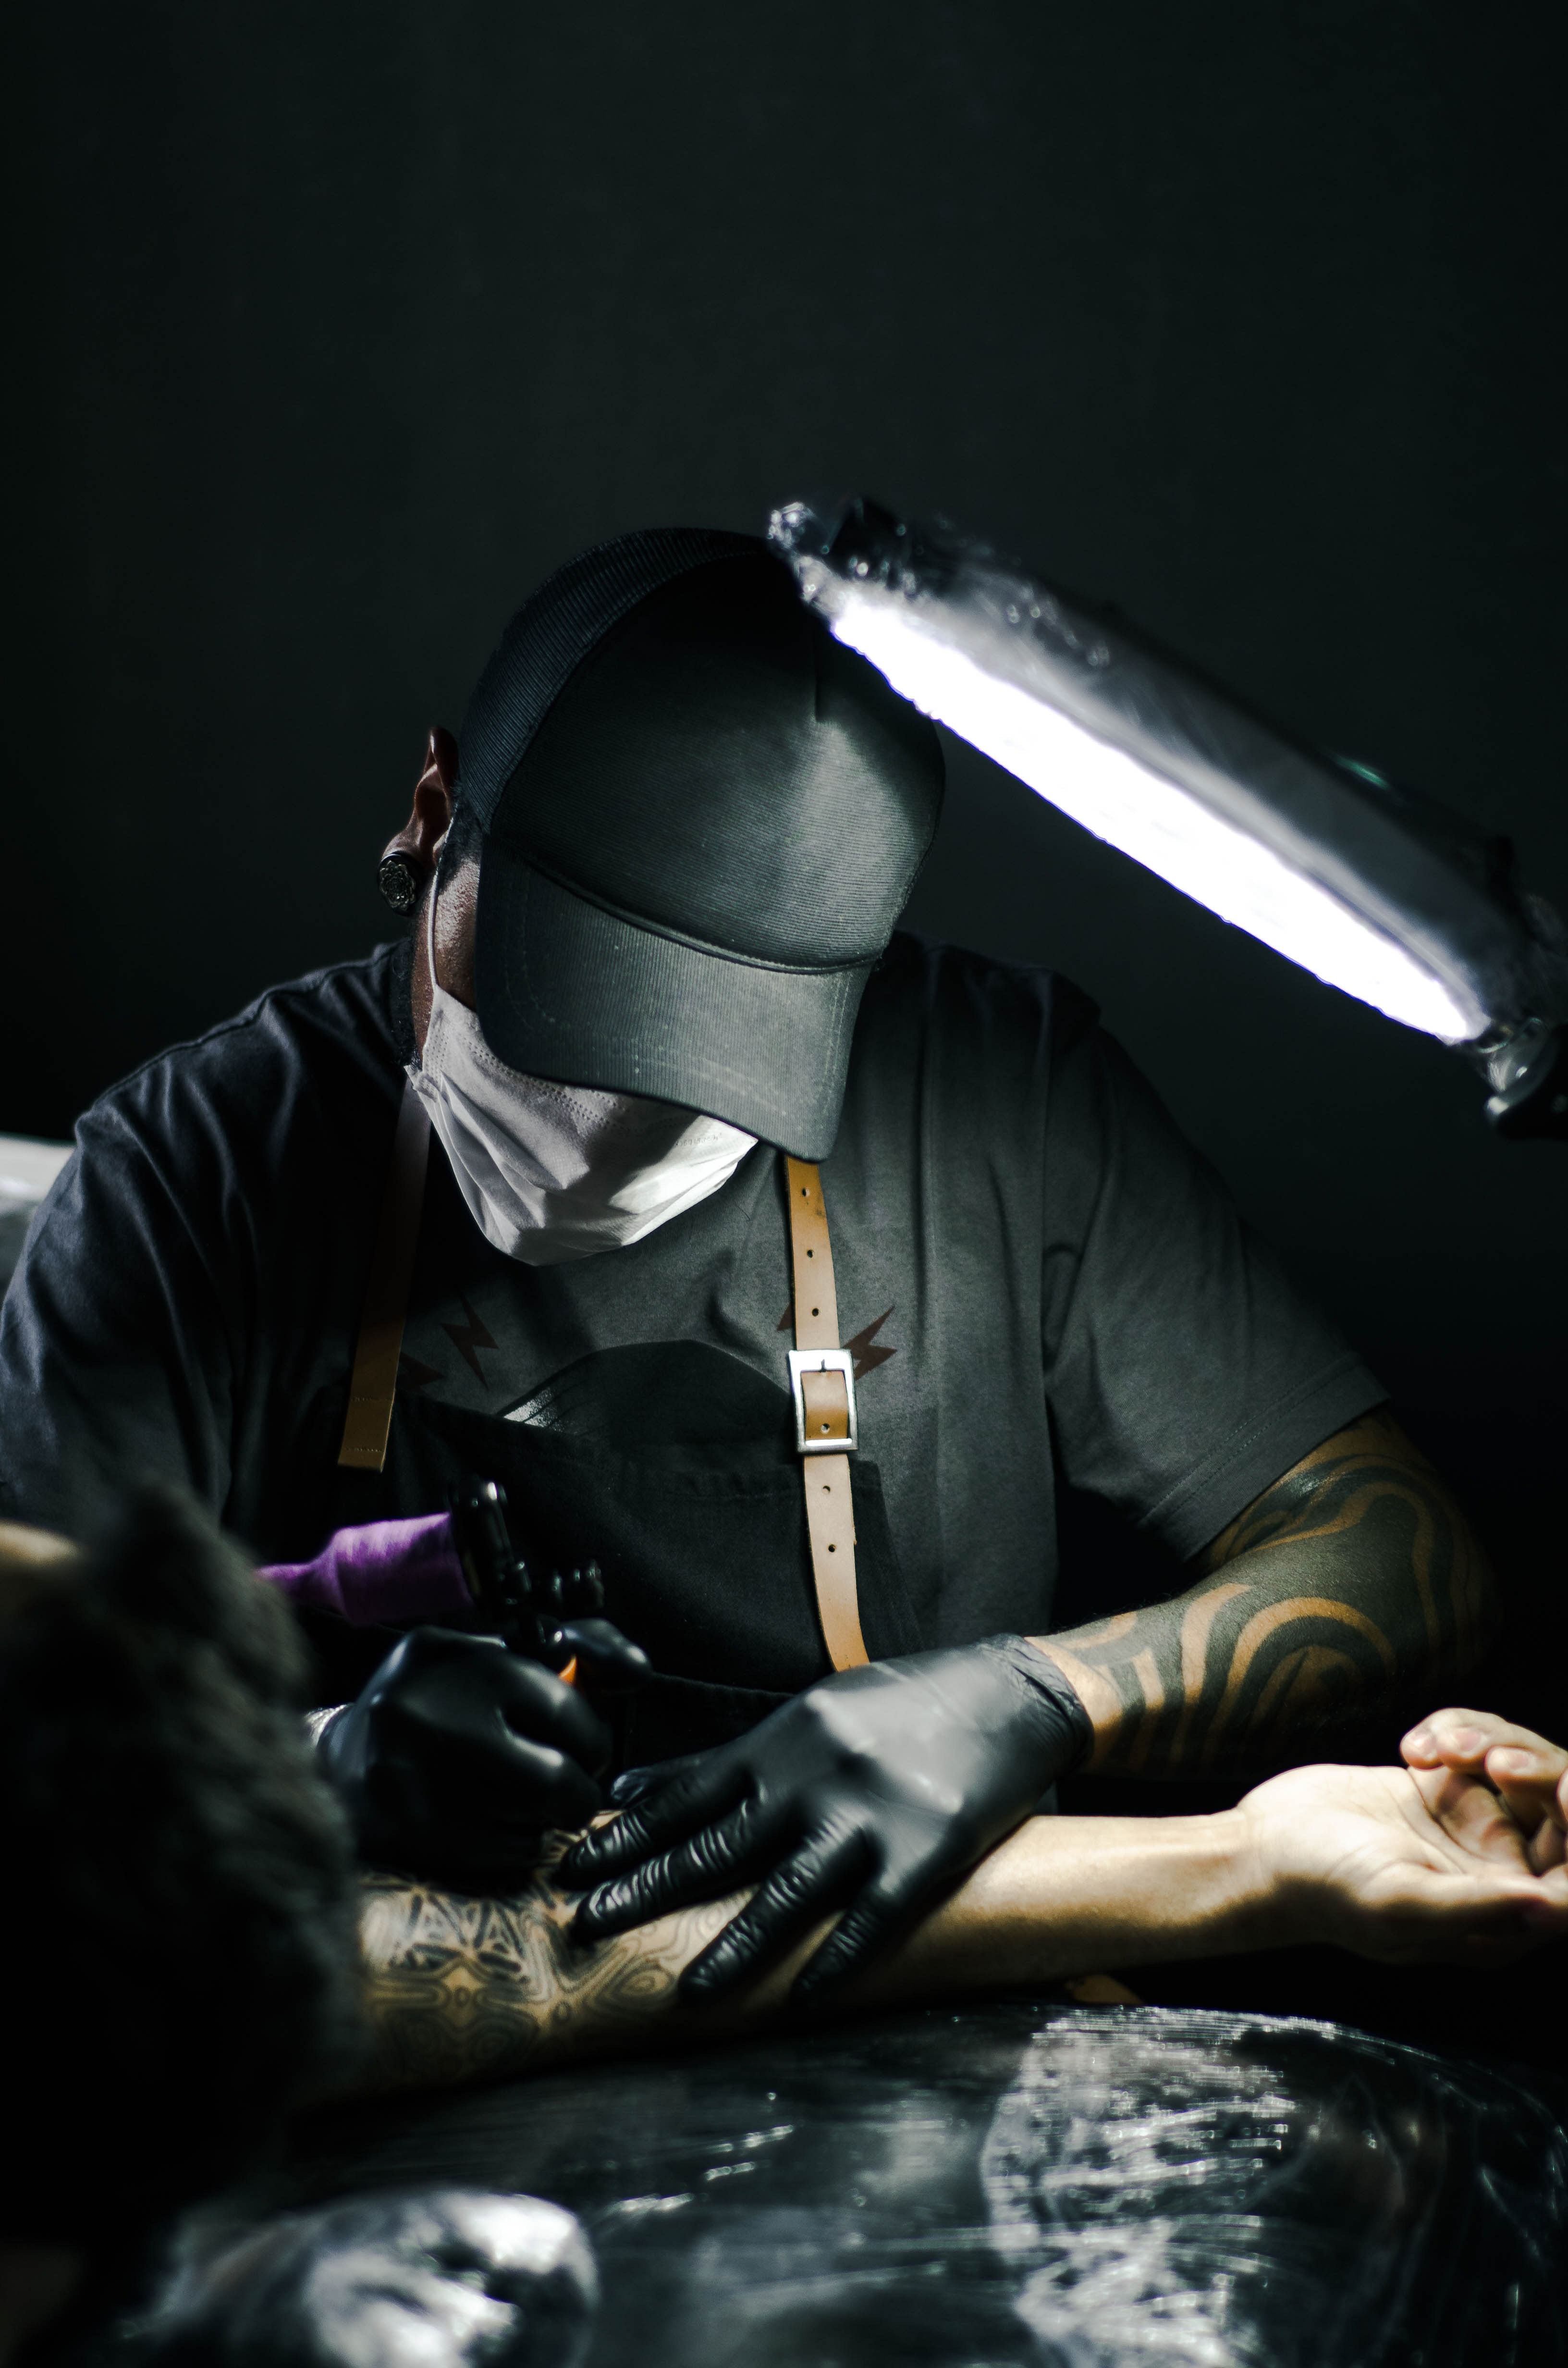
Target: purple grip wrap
<point>382,1575</point>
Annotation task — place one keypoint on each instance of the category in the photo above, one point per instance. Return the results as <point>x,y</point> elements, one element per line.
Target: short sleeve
<point>114,1355</point>
<point>1185,1373</point>
<point>185,1303</point>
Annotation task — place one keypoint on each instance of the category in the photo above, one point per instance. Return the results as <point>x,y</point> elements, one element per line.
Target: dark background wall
<point>342,325</point>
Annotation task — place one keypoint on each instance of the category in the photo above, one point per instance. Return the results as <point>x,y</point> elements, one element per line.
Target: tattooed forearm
<point>1353,1577</point>
<point>459,1988</point>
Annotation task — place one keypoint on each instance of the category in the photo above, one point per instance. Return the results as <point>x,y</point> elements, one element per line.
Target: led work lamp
<point>1376,889</point>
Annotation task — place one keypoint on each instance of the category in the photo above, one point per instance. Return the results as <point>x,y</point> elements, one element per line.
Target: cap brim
<point>568,990</point>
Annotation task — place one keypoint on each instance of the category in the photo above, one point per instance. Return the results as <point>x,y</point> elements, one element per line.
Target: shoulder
<point>346,1013</point>
<point>959,1064</point>
<point>1006,1065</point>
<point>966,1007</point>
<point>948,982</point>
<point>310,1072</point>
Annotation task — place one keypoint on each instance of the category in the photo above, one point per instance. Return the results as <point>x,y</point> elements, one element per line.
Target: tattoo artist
<point>786,1265</point>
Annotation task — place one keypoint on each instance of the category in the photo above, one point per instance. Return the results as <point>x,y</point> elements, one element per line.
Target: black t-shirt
<point>1041,1282</point>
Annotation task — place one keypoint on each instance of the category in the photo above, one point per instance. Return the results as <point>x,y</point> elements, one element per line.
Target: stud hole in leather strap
<point>826,1432</point>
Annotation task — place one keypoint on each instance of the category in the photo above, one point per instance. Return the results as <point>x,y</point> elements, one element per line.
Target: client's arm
<point>1391,1863</point>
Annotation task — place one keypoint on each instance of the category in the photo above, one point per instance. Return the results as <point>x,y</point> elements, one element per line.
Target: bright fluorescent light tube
<point>1374,892</point>
<point>1157,822</point>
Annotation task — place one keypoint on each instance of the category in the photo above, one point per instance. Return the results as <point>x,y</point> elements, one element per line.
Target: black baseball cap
<point>700,817</point>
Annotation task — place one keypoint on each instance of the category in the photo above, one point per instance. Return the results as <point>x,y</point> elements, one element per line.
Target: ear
<point>408,860</point>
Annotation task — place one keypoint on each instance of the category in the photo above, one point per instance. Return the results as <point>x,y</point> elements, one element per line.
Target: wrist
<point>1209,1889</point>
<point>1066,1725</point>
<point>1096,1695</point>
<point>1278,1888</point>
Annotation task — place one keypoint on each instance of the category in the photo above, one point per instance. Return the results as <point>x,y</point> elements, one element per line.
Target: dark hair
<point>178,1954</point>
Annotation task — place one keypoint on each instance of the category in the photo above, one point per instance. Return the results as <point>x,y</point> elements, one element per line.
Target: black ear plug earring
<point>400,881</point>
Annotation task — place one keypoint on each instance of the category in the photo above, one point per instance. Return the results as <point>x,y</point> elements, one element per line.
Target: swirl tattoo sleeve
<point>1352,1580</point>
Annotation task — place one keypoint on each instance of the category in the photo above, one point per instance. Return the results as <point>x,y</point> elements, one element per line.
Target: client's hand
<point>1530,1774</point>
<point>459,1757</point>
<point>1405,1866</point>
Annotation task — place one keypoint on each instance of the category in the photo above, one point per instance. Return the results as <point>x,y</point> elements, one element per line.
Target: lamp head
<point>1375,889</point>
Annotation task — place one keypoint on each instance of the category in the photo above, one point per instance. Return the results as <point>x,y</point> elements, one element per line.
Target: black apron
<point>673,1467</point>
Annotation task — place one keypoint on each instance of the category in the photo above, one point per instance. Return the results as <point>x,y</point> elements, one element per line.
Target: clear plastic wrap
<point>442,2279</point>
<point>1218,2191</point>
<point>1019,2185</point>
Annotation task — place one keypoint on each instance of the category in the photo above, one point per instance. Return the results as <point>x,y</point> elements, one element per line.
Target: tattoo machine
<point>525,1613</point>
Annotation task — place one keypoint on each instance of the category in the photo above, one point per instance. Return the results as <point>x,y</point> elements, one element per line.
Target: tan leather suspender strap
<point>374,1384</point>
<point>822,1382</point>
<point>821,1373</point>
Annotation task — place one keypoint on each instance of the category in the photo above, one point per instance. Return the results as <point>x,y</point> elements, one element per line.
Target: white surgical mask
<point>553,1172</point>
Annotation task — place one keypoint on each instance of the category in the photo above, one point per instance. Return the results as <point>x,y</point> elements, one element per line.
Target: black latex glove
<point>459,1757</point>
<point>875,1791</point>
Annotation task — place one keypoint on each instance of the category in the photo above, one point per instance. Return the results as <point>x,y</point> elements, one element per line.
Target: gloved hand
<point>459,1757</point>
<point>874,1790</point>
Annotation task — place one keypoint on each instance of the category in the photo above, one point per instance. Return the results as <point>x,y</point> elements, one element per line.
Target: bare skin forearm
<point>1352,1578</point>
<point>461,1989</point>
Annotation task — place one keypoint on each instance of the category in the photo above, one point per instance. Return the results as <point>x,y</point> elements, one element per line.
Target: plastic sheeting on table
<point>1018,2183</point>
<point>434,2279</point>
<point>1188,2188</point>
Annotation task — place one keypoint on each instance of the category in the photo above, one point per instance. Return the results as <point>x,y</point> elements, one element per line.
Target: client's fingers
<point>1447,1918</point>
<point>1532,1778</point>
<point>1463,1739</point>
<point>1548,1846</point>
<point>1471,1815</point>
<point>1451,1738</point>
<point>1542,1915</point>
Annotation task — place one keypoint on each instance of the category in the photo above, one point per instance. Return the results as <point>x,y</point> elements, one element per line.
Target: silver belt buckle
<point>823,1361</point>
